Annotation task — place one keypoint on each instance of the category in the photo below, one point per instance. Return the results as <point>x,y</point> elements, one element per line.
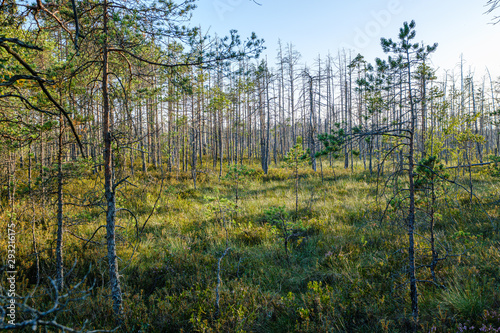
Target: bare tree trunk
<point>42,163</point>
<point>296,172</point>
<point>141,138</point>
<point>193,155</point>
<point>312,129</point>
<point>170,128</point>
<point>60,241</point>
<point>268,126</point>
<point>116,292</point>
<point>33,232</point>
<point>292,58</point>
<point>261,89</point>
<point>432,241</point>
<point>411,213</point>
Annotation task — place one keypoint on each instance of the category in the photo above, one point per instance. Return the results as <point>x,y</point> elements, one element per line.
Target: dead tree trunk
<point>60,242</point>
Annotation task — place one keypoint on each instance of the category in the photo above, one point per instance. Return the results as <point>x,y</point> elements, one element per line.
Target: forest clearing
<point>155,178</point>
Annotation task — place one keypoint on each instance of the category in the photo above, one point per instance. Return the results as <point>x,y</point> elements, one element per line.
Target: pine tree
<point>333,143</point>
<point>296,157</point>
<point>410,54</point>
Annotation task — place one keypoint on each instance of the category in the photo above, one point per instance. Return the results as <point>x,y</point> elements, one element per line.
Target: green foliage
<point>279,218</point>
<point>189,193</point>
<point>466,298</point>
<point>276,215</point>
<point>317,314</point>
<point>277,175</point>
<point>237,171</point>
<point>333,143</point>
<point>251,235</point>
<point>494,167</point>
<point>218,204</point>
<point>297,155</point>
<point>430,170</point>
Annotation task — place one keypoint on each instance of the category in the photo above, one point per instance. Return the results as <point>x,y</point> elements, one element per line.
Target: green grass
<point>346,271</point>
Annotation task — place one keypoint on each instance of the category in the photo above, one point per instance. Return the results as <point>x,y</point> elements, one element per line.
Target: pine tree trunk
<point>312,129</point>
<point>411,213</point>
<point>114,280</point>
<point>60,242</point>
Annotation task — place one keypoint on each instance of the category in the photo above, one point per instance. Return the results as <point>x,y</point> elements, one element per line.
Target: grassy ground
<point>344,269</point>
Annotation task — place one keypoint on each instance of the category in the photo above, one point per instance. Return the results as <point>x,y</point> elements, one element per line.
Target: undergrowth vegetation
<point>337,265</point>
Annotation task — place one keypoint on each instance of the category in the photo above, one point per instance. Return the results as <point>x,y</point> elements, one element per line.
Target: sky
<point>317,27</point>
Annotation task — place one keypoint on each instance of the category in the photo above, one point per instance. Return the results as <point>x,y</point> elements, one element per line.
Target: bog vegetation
<point>156,179</point>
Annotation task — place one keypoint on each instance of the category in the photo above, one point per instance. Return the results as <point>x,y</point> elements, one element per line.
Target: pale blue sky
<point>319,26</point>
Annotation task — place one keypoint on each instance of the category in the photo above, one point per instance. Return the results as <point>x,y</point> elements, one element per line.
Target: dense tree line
<point>227,112</point>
